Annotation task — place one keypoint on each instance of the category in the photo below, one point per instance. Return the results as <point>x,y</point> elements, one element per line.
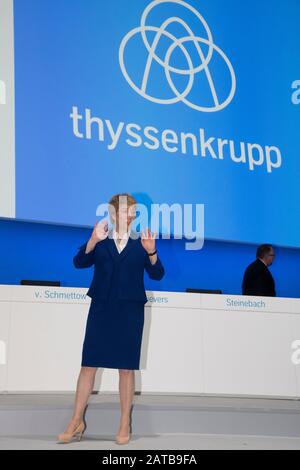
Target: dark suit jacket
<point>131,263</point>
<point>258,280</point>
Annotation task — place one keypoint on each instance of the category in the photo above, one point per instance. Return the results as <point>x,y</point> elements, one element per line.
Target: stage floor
<point>32,421</point>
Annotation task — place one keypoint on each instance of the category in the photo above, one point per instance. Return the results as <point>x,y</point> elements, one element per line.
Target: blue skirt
<point>113,334</point>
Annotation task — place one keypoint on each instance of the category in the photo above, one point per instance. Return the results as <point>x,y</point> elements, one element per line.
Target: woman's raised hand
<point>100,231</point>
<point>148,240</point>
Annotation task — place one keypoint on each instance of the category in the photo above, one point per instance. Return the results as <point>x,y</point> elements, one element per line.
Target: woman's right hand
<point>100,231</point>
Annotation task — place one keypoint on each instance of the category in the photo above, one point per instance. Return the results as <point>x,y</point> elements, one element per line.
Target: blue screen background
<point>66,54</point>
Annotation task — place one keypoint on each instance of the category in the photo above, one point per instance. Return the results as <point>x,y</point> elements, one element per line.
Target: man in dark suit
<point>257,278</point>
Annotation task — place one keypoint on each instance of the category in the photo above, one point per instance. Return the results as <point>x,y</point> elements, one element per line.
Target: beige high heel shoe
<point>125,439</point>
<point>66,437</point>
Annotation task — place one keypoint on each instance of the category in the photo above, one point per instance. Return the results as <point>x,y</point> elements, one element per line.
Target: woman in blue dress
<point>114,327</point>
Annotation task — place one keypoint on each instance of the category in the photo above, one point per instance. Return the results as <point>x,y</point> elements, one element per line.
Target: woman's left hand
<point>148,240</point>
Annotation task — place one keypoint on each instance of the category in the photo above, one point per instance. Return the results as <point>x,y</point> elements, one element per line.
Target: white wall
<point>192,343</point>
<point>7,111</point>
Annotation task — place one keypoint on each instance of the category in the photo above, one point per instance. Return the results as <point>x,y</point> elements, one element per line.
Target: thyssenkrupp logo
<point>164,60</point>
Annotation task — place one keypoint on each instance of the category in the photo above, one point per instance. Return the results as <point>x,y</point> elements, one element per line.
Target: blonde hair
<point>115,203</point>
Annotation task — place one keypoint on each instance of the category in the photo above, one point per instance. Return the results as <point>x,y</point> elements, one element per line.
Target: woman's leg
<point>126,390</point>
<point>85,384</point>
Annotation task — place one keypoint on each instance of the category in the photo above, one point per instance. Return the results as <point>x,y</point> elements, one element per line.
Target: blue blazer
<point>131,263</point>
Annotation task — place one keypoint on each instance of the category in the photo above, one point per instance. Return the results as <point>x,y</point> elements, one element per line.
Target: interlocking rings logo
<point>191,71</point>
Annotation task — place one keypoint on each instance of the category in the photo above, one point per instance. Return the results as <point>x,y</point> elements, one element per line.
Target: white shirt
<point>120,244</point>
<point>262,261</point>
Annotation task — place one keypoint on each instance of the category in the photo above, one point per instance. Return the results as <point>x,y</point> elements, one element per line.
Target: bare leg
<point>85,384</point>
<point>126,390</point>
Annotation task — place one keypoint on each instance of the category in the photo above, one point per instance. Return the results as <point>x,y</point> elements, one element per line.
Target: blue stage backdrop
<point>180,102</point>
<point>46,251</point>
